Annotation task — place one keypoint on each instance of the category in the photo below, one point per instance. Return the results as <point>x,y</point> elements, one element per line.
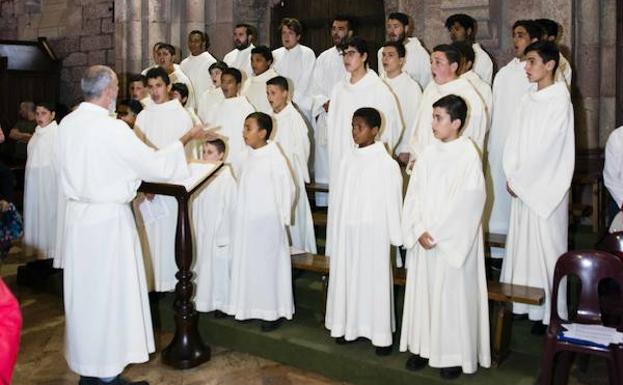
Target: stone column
<point>158,24</point>
<point>195,20</point>
<point>607,106</point>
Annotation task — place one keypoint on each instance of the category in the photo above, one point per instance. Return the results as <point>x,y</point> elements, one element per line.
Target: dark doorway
<point>619,65</point>
<point>316,15</point>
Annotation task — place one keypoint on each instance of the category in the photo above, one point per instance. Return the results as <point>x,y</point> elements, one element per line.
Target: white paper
<point>597,334</point>
<point>198,172</point>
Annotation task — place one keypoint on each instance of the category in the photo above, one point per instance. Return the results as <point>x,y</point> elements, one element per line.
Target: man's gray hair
<point>95,80</point>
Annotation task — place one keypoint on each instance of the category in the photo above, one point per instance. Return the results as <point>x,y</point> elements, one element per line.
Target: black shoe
<point>520,317</point>
<point>342,341</point>
<point>117,381</point>
<point>121,381</point>
<point>415,362</point>
<point>383,350</point>
<point>269,326</point>
<point>219,314</point>
<point>451,373</point>
<point>538,328</point>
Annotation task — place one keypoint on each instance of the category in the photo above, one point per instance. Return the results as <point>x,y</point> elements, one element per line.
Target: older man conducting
<point>102,162</point>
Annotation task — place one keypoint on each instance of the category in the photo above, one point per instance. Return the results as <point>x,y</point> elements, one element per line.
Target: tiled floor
<point>41,358</point>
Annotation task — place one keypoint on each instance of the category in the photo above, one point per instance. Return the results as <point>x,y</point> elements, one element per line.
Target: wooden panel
<point>504,292</point>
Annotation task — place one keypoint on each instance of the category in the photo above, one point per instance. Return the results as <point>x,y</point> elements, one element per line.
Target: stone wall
<point>79,31</point>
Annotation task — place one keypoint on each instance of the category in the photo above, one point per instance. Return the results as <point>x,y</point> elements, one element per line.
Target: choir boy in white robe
<point>363,224</point>
<point>102,164</point>
<point>197,65</point>
<point>155,55</point>
<point>328,71</point>
<point>212,213</point>
<point>240,56</point>
<point>254,87</point>
<point>551,33</point>
<point>466,71</point>
<point>261,272</point>
<point>166,54</point>
<point>295,62</point>
<point>41,187</point>
<point>462,28</point>
<point>445,322</point>
<point>291,134</point>
<point>229,116</point>
<point>362,89</point>
<point>127,110</point>
<point>138,91</point>
<point>407,91</point>
<point>214,95</point>
<point>179,91</point>
<point>539,158</point>
<point>446,60</point>
<point>159,125</point>
<point>417,62</point>
<point>613,175</point>
<point>509,86</point>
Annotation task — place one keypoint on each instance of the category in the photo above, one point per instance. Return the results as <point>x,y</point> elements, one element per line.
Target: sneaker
<point>415,362</point>
<point>451,373</point>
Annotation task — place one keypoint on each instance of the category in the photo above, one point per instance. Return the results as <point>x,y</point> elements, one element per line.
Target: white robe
<point>162,125</point>
<point>261,272</point>
<point>484,90</point>
<point>446,314</point>
<point>107,317</point>
<point>208,102</point>
<point>229,115</point>
<point>329,71</point>
<point>178,76</point>
<point>254,89</point>
<point>409,96</point>
<point>417,62</point>
<point>212,210</point>
<point>240,59</point>
<point>483,65</point>
<point>539,158</point>
<point>564,73</point>
<point>290,132</point>
<point>613,174</point>
<point>364,223</point>
<point>297,65</point>
<point>346,98</point>
<point>510,84</point>
<point>41,193</point>
<point>475,126</point>
<point>197,69</point>
<point>144,72</point>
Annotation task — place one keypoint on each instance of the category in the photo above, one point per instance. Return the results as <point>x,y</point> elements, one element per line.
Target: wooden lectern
<point>187,349</point>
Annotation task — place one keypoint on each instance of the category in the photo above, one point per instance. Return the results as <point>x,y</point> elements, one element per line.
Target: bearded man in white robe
<point>240,56</point>
<point>104,278</point>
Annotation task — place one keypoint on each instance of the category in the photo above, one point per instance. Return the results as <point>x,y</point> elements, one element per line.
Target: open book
<point>198,171</point>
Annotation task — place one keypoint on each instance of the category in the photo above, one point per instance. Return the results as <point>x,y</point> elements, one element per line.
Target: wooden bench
<point>317,187</point>
<point>501,293</point>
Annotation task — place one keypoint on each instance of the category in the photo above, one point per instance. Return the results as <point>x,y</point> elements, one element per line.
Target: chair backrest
<point>591,267</point>
<point>612,243</point>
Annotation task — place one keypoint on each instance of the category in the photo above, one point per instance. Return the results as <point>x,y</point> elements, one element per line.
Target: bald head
<point>96,80</point>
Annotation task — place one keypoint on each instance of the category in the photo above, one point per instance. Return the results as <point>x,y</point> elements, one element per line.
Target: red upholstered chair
<point>590,267</point>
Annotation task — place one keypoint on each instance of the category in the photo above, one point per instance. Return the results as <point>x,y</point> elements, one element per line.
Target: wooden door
<point>316,16</point>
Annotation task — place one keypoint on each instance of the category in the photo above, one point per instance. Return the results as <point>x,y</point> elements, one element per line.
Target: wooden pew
<point>502,294</point>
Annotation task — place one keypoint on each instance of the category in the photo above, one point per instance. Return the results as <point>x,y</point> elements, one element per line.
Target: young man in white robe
<point>509,86</point>
<point>466,71</point>
<point>417,61</point>
<point>166,55</point>
<point>159,125</point>
<point>229,116</point>
<point>613,175</point>
<point>364,222</point>
<point>101,165</point>
<point>328,71</point>
<point>261,271</point>
<point>445,320</point>
<point>462,28</point>
<point>446,60</point>
<point>564,73</point>
<point>539,158</point>
<point>213,96</point>
<point>137,88</point>
<point>407,91</point>
<point>240,56</point>
<point>363,88</point>
<point>179,91</point>
<point>254,87</point>
<point>41,188</point>
<point>127,110</point>
<point>295,62</point>
<point>197,65</point>
<point>212,211</point>
<point>155,55</point>
<point>292,135</point>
